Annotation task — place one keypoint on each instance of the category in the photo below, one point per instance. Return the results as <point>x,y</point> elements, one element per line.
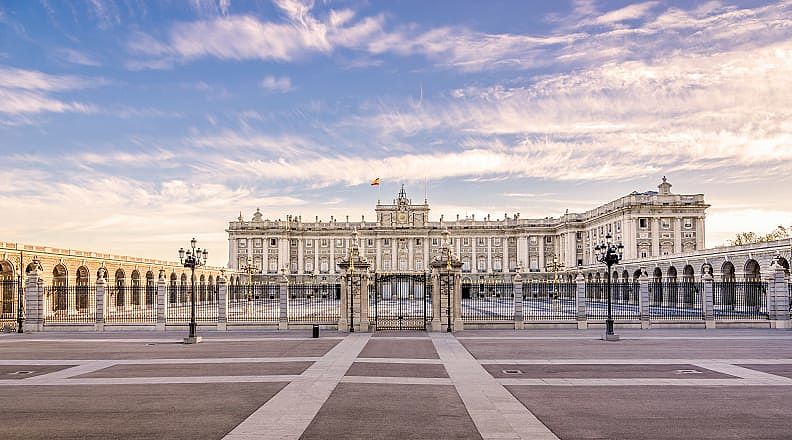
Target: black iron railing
<point>69,304</point>
<point>733,300</point>
<point>621,310</point>
<point>488,301</point>
<point>9,302</point>
<point>669,300</point>
<point>254,303</point>
<point>178,312</point>
<point>549,301</point>
<point>133,304</point>
<point>318,303</point>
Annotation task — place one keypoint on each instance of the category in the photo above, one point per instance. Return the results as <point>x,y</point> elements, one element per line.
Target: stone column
<point>489,254</point>
<point>541,253</point>
<point>343,317</point>
<point>283,304</point>
<point>518,301</point>
<point>101,297</point>
<point>300,256</point>
<point>332,262</point>
<point>778,298</point>
<point>655,237</point>
<point>436,323</point>
<point>473,258</point>
<point>580,284</point>
<point>378,251</point>
<point>505,256</point>
<point>410,254</point>
<point>222,303</point>
<point>162,301</point>
<point>456,294</point>
<point>522,251</point>
<point>316,255</point>
<point>677,230</point>
<point>643,299</point>
<point>707,299</point>
<point>394,254</point>
<point>363,297</point>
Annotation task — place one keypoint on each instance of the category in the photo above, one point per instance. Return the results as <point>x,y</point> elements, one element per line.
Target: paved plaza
<point>538,384</point>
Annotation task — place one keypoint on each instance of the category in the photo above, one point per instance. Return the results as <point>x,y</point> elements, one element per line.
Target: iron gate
<point>400,301</point>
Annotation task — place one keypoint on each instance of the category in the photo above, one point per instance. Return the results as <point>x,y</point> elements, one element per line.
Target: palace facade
<point>650,224</point>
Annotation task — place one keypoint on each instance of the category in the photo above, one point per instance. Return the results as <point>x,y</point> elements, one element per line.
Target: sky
<point>129,126</point>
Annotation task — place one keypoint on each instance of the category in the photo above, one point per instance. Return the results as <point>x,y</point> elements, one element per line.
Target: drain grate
<point>21,372</point>
<point>687,372</point>
<point>513,372</point>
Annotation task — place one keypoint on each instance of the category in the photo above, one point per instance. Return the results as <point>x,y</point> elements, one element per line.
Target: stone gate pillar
<point>708,298</point>
<point>448,270</point>
<point>162,298</point>
<point>354,289</point>
<point>34,299</point>
<point>519,323</point>
<point>580,300</point>
<point>778,297</point>
<point>643,299</point>
<point>222,302</point>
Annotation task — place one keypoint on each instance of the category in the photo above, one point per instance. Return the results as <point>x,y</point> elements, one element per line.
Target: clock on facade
<point>402,217</point>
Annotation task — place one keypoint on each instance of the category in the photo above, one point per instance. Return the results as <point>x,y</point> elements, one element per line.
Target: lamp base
<point>610,337</point>
<point>193,340</point>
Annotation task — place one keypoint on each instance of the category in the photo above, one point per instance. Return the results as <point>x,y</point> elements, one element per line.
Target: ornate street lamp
<point>192,258</point>
<point>609,254</point>
<point>451,281</point>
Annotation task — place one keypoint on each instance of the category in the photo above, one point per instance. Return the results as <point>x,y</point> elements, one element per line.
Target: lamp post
<point>192,258</point>
<point>609,254</point>
<point>554,266</point>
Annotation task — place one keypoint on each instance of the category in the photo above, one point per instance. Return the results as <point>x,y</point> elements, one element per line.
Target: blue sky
<point>129,126</point>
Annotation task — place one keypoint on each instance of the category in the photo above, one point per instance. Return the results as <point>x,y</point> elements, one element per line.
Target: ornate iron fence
<point>254,303</point>
<point>314,303</point>
<point>670,300</point>
<point>69,304</point>
<point>178,312</point>
<point>597,301</point>
<point>133,304</point>
<point>9,303</point>
<point>488,301</point>
<point>734,300</point>
<point>549,301</point>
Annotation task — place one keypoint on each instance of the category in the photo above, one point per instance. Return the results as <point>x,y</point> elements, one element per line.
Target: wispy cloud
<point>75,56</point>
<point>275,84</point>
<point>25,91</point>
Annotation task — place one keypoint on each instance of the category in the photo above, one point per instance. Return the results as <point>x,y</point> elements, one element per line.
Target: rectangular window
<point>257,243</point>
<point>481,241</point>
<point>548,239</point>
<point>309,266</point>
<point>370,242</point>
<point>386,241</point>
<point>580,262</point>
<point>386,265</point>
<point>325,243</point>
<point>273,242</point>
<point>466,241</point>
<point>242,242</point>
<point>417,241</point>
<point>533,239</point>
<point>643,223</point>
<point>418,265</point>
<point>308,243</point>
<point>610,228</point>
<point>688,223</point>
<point>496,241</point>
<point>665,223</point>
<point>618,226</point>
<point>273,266</point>
<point>579,235</point>
<point>434,242</point>
<point>294,243</point>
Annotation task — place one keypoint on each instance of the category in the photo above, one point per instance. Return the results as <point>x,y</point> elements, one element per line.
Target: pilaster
<point>707,300</point>
<point>778,297</point>
<point>283,303</point>
<point>518,301</point>
<point>643,299</point>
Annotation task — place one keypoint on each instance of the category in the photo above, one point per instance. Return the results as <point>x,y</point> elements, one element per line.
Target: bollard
<point>315,331</point>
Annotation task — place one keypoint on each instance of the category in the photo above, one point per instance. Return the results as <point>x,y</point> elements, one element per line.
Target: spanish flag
<point>375,182</point>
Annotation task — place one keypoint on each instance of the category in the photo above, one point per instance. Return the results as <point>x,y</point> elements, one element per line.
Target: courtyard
<point>538,384</point>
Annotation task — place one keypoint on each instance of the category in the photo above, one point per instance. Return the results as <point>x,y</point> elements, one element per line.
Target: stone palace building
<point>650,224</point>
